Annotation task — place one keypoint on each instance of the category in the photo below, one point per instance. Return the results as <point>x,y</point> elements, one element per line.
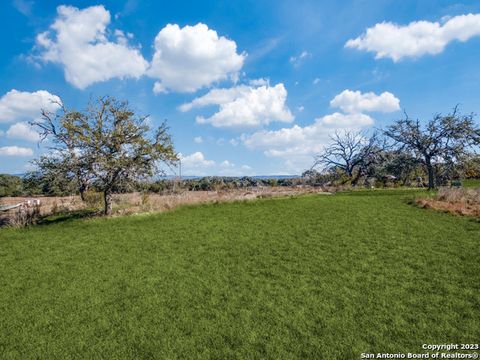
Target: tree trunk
<point>107,197</point>
<point>357,178</point>
<point>83,190</point>
<point>431,180</point>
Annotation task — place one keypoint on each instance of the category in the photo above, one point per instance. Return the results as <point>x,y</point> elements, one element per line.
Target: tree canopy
<point>443,139</point>
<point>108,144</point>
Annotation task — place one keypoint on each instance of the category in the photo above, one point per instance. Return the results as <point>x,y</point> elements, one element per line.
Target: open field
<point>321,277</point>
<point>133,203</point>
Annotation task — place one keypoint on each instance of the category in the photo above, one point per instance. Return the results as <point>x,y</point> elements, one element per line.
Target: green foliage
<point>404,167</point>
<point>301,278</point>
<point>471,183</point>
<point>10,185</point>
<point>439,144</point>
<point>94,200</point>
<point>49,182</point>
<point>215,183</point>
<point>108,145</point>
<point>471,167</point>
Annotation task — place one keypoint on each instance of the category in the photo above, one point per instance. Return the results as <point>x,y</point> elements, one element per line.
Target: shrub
<point>10,185</point>
<point>454,195</point>
<point>94,200</point>
<point>24,216</point>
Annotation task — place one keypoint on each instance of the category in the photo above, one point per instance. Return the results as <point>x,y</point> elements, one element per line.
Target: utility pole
<point>178,179</point>
<point>180,172</point>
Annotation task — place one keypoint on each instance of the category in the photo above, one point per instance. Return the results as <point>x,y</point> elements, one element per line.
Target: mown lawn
<point>314,277</point>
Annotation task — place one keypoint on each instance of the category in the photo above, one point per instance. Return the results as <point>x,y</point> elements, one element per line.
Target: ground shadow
<point>66,216</point>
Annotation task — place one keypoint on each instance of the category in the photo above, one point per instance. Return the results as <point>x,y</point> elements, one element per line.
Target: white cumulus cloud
<point>355,102</point>
<point>22,105</point>
<point>195,160</point>
<point>15,151</point>
<point>244,106</point>
<point>78,41</point>
<point>345,121</point>
<point>304,140</point>
<point>226,164</point>
<point>23,131</point>
<point>198,165</point>
<point>298,144</point>
<point>389,40</point>
<point>190,58</point>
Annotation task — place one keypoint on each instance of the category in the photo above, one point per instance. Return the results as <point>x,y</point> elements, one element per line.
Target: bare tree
<point>352,153</point>
<point>442,139</point>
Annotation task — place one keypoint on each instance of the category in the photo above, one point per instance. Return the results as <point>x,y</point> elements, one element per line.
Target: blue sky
<point>262,83</point>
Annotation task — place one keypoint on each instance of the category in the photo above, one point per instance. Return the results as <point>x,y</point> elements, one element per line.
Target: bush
<point>94,200</point>
<point>24,216</point>
<point>10,185</point>
<point>454,195</point>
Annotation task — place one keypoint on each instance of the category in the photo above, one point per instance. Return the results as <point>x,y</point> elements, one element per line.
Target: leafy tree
<point>50,178</point>
<point>10,185</point>
<point>400,164</point>
<point>48,183</point>
<point>316,178</point>
<point>444,139</point>
<point>66,159</point>
<point>108,145</point>
<point>471,166</point>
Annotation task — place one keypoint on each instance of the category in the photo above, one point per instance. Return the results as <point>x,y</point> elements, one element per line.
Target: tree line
<point>109,148</point>
<point>443,149</point>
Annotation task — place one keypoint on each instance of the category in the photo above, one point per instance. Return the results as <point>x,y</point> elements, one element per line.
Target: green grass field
<point>471,183</point>
<point>313,277</point>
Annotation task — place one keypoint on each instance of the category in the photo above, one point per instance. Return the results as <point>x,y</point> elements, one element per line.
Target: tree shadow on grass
<point>3,221</point>
<point>67,216</point>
